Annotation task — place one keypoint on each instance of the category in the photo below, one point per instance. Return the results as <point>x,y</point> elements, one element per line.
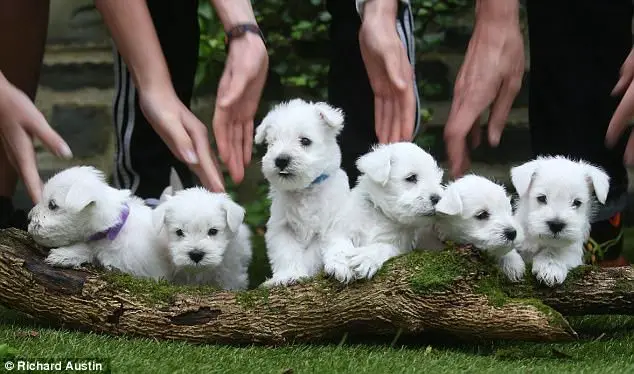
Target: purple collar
<point>112,232</point>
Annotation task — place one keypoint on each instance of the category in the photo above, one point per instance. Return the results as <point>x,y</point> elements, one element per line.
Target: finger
<point>396,121</point>
<point>39,128</point>
<point>628,157</point>
<point>248,142</point>
<point>387,117</point>
<point>501,108</point>
<point>393,63</point>
<point>221,121</point>
<point>408,110</point>
<point>623,113</point>
<point>237,84</point>
<point>19,146</point>
<point>622,84</point>
<point>378,118</point>
<point>205,169</point>
<point>475,135</point>
<point>461,118</point>
<point>236,164</point>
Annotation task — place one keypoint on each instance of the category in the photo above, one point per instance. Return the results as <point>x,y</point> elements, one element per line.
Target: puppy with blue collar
<point>308,188</point>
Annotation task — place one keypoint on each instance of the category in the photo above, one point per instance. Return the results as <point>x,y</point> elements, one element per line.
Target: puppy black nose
<point>196,255</point>
<point>510,234</point>
<point>434,198</point>
<point>556,226</point>
<point>282,161</point>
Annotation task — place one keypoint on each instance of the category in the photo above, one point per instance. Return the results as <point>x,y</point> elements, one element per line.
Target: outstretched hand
<point>185,135</point>
<point>491,76</point>
<point>625,110</point>
<point>237,100</point>
<point>20,121</point>
<point>390,74</point>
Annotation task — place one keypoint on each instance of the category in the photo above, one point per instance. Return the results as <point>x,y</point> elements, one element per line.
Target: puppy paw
<point>66,258</point>
<point>513,266</point>
<point>550,273</point>
<point>364,266</point>
<point>340,270</point>
<point>282,280</point>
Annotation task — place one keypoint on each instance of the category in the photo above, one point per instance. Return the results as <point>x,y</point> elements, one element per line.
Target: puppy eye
<point>576,203</point>
<point>305,142</point>
<point>482,215</point>
<point>412,178</point>
<point>541,199</point>
<point>52,205</point>
<point>180,233</point>
<point>212,232</point>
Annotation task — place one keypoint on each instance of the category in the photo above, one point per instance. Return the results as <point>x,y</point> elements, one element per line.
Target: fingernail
<point>190,157</point>
<point>64,151</point>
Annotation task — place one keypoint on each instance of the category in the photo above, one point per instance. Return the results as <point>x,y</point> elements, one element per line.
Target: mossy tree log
<point>455,292</point>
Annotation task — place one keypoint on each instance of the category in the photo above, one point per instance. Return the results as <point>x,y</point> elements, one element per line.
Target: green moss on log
<point>154,292</point>
<point>252,298</point>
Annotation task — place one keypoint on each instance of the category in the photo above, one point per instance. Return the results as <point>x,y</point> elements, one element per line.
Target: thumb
<point>181,145</point>
<point>394,72</point>
<point>230,92</point>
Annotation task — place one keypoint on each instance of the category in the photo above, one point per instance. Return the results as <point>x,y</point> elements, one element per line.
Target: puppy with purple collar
<point>84,220</point>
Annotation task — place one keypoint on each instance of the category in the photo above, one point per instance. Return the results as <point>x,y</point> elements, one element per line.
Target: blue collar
<point>319,179</point>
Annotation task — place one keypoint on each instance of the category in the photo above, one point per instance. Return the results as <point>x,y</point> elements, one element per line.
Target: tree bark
<point>465,297</point>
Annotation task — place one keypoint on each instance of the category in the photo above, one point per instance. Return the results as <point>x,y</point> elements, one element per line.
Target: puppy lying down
<point>395,195</point>
<point>84,220</point>
<point>207,240</point>
<point>556,203</point>
<point>474,210</point>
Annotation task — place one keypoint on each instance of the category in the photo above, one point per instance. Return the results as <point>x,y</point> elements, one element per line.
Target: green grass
<point>606,346</point>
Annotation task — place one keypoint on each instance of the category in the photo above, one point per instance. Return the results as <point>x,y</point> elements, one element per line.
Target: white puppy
<point>85,220</point>
<point>394,197</point>
<point>555,206</point>
<point>307,186</point>
<point>474,210</point>
<point>207,239</point>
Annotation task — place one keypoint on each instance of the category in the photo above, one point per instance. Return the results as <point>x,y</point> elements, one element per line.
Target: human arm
<point>490,76</point>
<point>240,87</point>
<point>133,32</point>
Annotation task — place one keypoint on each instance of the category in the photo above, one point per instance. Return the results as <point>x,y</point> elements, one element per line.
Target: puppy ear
<point>175,181</point>
<point>600,182</point>
<point>376,164</point>
<point>522,176</point>
<point>450,203</point>
<point>79,197</point>
<point>158,218</point>
<point>235,214</point>
<point>331,116</point>
<point>260,131</point>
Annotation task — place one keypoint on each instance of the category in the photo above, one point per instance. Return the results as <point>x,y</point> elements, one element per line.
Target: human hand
<point>185,135</point>
<point>625,110</point>
<point>239,92</point>
<point>389,71</point>
<point>491,75</point>
<point>20,121</point>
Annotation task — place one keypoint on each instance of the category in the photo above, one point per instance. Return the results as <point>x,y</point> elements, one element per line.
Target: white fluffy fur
<point>77,203</point>
<point>302,213</point>
<point>474,210</point>
<point>391,202</point>
<point>556,189</point>
<point>208,225</point>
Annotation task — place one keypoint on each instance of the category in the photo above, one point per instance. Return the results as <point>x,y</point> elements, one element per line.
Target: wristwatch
<point>241,29</point>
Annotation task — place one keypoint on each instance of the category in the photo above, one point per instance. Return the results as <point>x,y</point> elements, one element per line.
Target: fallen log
<point>454,292</point>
